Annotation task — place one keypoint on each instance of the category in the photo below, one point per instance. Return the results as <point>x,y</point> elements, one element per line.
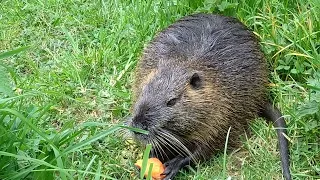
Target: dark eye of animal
<point>172,102</point>
<point>195,81</point>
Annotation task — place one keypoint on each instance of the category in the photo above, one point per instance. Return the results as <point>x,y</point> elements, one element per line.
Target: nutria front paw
<point>173,166</point>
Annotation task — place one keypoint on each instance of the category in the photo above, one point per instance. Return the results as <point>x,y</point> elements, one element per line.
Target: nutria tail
<point>273,114</point>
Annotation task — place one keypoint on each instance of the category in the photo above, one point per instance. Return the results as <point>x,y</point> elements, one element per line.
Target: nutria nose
<point>140,127</point>
<point>140,121</point>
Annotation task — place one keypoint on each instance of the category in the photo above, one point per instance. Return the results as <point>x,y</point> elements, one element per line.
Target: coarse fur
<point>199,77</point>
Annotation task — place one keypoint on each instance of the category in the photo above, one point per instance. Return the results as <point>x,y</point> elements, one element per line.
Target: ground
<point>66,87</point>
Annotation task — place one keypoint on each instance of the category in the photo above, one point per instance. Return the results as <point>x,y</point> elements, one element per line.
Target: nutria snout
<point>199,77</point>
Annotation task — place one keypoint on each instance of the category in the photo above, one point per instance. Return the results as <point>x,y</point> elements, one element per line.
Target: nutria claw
<point>173,166</point>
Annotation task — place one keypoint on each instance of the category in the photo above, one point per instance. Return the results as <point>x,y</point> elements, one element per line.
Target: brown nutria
<point>199,77</point>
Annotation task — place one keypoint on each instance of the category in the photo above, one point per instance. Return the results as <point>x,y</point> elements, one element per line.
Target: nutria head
<point>176,107</point>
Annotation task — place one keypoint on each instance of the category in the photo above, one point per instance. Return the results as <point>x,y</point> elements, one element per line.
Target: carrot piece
<point>157,168</point>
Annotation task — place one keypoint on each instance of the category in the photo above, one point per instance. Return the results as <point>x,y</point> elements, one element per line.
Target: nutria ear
<point>195,81</point>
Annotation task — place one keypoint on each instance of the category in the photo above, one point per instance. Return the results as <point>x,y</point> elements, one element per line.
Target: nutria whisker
<point>161,143</point>
<point>176,144</point>
<point>170,143</point>
<point>157,148</point>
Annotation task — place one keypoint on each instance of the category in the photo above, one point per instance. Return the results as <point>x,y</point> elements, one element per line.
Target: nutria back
<point>196,79</point>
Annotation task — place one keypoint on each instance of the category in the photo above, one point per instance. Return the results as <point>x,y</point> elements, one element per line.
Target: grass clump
<point>62,99</point>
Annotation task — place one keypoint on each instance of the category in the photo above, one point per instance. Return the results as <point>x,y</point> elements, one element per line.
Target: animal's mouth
<point>160,149</point>
<point>166,143</point>
<point>141,137</point>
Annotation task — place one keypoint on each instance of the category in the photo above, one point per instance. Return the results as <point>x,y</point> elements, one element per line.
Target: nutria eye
<point>195,81</point>
<point>172,102</point>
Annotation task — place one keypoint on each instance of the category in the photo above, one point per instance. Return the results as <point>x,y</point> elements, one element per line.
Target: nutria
<point>199,77</point>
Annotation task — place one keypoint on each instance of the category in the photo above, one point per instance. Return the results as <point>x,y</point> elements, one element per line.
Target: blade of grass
<point>54,168</point>
<point>145,160</point>
<point>135,129</point>
<point>26,121</point>
<point>63,175</point>
<point>89,166</point>
<point>149,177</point>
<point>23,173</point>
<point>90,140</point>
<point>68,138</point>
<point>38,161</point>
<point>225,154</point>
<point>13,52</point>
<point>4,100</point>
<point>77,171</point>
<point>97,176</point>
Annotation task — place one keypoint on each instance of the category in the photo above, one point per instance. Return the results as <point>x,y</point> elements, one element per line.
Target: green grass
<point>64,95</point>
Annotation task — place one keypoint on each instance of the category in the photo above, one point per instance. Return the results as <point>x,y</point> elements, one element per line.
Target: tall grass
<point>62,98</point>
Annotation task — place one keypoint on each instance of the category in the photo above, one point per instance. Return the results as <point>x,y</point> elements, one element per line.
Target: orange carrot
<point>157,168</point>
